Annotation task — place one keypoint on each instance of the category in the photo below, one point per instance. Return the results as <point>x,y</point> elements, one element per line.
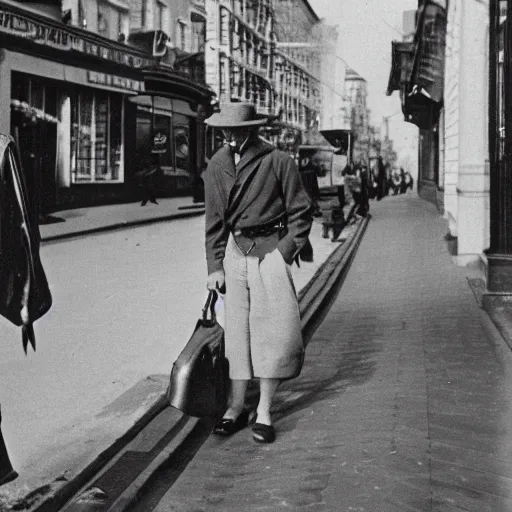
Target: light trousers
<point>262,319</point>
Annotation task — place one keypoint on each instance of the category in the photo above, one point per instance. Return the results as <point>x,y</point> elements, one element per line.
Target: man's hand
<point>216,281</point>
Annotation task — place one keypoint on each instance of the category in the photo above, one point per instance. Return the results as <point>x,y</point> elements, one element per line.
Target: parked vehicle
<point>320,176</point>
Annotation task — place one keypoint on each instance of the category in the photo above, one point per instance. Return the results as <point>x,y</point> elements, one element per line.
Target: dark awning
<point>161,81</point>
<point>340,139</point>
<point>402,55</point>
<point>417,69</point>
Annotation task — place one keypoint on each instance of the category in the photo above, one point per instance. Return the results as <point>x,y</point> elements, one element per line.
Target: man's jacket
<point>264,187</point>
<point>24,292</point>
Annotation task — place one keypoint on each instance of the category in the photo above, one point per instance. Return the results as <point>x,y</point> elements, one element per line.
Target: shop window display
<point>181,133</point>
<point>96,137</point>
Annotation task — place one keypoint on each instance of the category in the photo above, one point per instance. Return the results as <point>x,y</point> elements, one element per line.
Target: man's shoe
<point>262,433</point>
<point>227,427</point>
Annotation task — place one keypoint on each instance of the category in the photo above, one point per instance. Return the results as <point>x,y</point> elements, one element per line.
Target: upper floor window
<point>112,20</point>
<point>103,19</point>
<point>182,35</point>
<point>161,20</point>
<point>198,32</point>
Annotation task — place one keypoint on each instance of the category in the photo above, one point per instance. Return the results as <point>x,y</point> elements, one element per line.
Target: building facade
<point>463,129</point>
<point>64,96</point>
<point>417,72</point>
<point>71,73</point>
<point>178,28</point>
<point>356,91</point>
<point>270,53</point>
<point>474,138</point>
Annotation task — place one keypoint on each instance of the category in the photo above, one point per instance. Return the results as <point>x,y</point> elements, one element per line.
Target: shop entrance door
<point>46,157</point>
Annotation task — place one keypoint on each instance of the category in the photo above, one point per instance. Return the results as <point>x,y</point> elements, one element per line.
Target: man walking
<point>258,218</point>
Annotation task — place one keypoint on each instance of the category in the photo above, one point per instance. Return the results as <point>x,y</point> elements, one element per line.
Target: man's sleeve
<point>216,234</point>
<point>298,208</point>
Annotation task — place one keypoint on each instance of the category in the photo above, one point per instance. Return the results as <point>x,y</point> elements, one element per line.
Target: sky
<point>366,29</point>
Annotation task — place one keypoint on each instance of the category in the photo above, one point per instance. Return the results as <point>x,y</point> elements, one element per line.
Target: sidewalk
<point>97,219</point>
<point>125,303</point>
<point>404,402</point>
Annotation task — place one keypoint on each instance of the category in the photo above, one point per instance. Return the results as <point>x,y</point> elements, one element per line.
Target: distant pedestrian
<point>258,219</point>
<point>382,185</point>
<point>403,183</point>
<point>395,182</point>
<point>354,181</point>
<point>372,185</point>
<point>365,185</point>
<point>409,181</point>
<point>147,183</point>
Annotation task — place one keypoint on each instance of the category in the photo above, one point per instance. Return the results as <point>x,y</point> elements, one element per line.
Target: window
<point>103,18</point>
<point>198,33</point>
<point>82,19</point>
<point>96,137</point>
<point>182,35</point>
<point>143,17</point>
<point>145,140</point>
<point>181,132</point>
<point>160,16</point>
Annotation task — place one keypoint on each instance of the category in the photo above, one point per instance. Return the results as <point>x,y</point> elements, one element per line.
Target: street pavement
<point>404,402</point>
<point>125,304</point>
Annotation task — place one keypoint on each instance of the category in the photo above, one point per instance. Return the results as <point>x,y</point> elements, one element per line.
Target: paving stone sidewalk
<point>404,402</point>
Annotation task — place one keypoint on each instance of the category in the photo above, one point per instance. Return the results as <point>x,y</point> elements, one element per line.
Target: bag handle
<point>210,305</point>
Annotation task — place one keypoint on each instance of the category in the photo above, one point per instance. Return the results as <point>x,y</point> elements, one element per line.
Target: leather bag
<point>24,292</point>
<point>199,383</point>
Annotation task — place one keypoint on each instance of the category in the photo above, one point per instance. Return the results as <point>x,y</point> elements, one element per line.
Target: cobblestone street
<point>404,403</point>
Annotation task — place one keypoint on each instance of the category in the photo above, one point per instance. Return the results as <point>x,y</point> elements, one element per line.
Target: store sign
<point>160,139</point>
<point>118,82</point>
<point>62,39</point>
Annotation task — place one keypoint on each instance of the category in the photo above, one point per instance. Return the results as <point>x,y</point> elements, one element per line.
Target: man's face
<point>235,137</point>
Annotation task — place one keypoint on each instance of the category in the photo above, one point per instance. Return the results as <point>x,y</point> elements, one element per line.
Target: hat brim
<point>218,121</point>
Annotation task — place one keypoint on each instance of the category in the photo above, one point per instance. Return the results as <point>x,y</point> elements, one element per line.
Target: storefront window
<point>96,137</point>
<point>162,123</point>
<point>181,131</point>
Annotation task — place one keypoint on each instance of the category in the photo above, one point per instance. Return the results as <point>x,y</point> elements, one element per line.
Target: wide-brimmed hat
<point>236,115</point>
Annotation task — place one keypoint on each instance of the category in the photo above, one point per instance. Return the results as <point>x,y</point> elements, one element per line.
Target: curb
<point>61,496</point>
<point>328,277</point>
<point>126,499</point>
<point>122,225</point>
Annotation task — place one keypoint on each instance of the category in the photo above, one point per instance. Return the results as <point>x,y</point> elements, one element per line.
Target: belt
<point>262,230</point>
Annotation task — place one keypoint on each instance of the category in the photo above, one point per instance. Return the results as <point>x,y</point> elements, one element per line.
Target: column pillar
<point>499,254</point>
<point>64,143</point>
<point>472,183</point>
